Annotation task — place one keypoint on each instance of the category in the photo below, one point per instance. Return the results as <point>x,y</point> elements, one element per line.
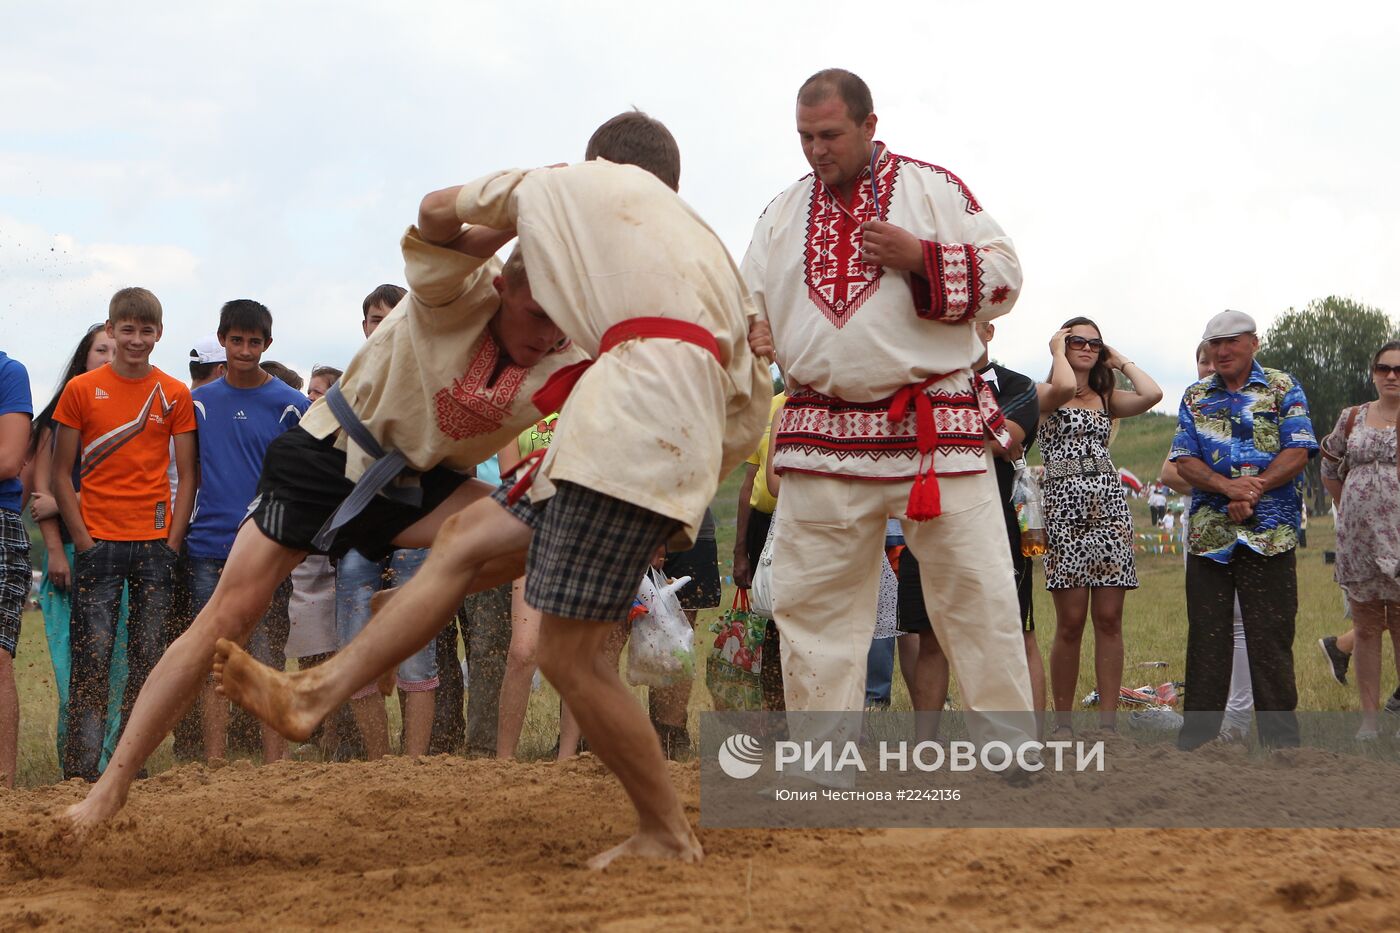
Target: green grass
<point>1154,630</point>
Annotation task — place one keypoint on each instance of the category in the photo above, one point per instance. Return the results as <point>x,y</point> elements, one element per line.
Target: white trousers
<point>826,578</point>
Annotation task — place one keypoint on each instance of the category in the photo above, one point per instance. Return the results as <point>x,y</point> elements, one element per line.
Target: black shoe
<point>1337,660</point>
<point>1392,705</point>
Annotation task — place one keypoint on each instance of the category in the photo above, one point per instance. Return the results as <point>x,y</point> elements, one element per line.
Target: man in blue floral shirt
<point>1243,436</point>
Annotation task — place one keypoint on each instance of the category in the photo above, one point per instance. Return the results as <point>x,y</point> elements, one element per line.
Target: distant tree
<point>1327,347</point>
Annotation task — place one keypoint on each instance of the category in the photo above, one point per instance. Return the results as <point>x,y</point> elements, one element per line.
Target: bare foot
<point>649,845</point>
<point>270,695</point>
<point>83,817</point>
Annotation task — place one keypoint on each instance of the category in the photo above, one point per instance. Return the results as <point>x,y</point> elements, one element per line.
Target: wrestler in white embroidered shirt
<point>426,382</point>
<point>423,386</point>
<point>871,291</point>
<point>671,266</point>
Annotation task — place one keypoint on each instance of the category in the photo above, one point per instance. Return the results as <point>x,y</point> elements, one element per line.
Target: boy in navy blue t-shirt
<point>238,417</point>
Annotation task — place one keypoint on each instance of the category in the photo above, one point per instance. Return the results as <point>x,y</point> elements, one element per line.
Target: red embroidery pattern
<point>973,207</point>
<point>838,281</point>
<point>954,272</point>
<point>469,407</point>
<point>1000,294</point>
<point>814,423</point>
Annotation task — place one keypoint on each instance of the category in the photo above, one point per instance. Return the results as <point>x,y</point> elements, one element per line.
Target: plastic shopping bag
<point>661,651</point>
<point>736,657</point>
<point>762,592</point>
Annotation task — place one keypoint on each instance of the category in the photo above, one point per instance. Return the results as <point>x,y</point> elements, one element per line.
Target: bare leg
<point>1108,649</point>
<point>273,745</point>
<point>572,657</point>
<point>1071,609</point>
<point>9,719</point>
<point>1346,642</point>
<point>255,568</point>
<point>930,691</point>
<point>1393,623</point>
<point>481,547</point>
<point>520,671</point>
<point>908,650</point>
<point>213,715</point>
<point>372,719</point>
<point>418,721</point>
<point>1036,666</point>
<point>1368,620</point>
<point>570,732</point>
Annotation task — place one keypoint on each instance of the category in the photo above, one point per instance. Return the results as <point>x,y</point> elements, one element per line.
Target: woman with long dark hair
<point>94,350</point>
<point>1089,564</point>
<point>1359,471</point>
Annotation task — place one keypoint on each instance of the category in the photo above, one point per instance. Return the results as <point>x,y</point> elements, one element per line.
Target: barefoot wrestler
<point>642,284</point>
<point>442,384</point>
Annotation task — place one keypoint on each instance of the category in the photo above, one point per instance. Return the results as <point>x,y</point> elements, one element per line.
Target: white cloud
<point>1153,164</point>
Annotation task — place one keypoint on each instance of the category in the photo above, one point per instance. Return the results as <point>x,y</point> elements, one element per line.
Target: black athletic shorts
<point>303,483</point>
<point>913,614</point>
<point>701,564</point>
<point>589,553</point>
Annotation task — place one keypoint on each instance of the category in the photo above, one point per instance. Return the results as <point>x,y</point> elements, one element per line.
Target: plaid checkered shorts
<point>14,577</point>
<point>590,553</point>
<point>523,509</point>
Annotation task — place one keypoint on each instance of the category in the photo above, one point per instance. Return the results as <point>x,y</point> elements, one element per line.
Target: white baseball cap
<point>208,350</point>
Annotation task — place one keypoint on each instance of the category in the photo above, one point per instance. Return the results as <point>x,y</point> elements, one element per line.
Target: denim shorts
<point>357,579</point>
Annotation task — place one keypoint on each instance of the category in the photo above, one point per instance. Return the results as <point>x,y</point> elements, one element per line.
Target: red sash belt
<point>925,501</point>
<point>550,397</point>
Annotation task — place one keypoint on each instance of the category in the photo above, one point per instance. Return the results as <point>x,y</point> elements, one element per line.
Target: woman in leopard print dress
<point>1089,564</point>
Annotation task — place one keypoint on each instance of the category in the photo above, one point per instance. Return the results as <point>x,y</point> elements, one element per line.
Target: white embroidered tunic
<point>859,343</point>
<point>422,383</point>
<point>654,422</point>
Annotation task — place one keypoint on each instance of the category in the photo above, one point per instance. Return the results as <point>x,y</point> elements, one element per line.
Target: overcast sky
<point>1152,163</point>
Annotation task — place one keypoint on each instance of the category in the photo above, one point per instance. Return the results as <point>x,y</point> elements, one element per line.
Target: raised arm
<point>970,272</point>
<point>438,224</point>
<point>1145,393</point>
<point>1060,388</point>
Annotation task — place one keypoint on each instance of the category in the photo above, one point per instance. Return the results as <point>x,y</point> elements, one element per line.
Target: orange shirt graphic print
<point>125,427</point>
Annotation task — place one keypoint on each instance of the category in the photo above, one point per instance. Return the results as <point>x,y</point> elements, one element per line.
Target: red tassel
<point>925,501</point>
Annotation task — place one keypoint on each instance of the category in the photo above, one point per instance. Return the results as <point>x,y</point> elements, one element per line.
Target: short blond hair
<point>134,304</point>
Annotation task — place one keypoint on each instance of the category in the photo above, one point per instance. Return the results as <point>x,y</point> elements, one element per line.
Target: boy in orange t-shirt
<point>117,422</point>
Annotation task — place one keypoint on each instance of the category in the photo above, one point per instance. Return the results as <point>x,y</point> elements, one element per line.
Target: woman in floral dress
<point>1089,564</point>
<point>1359,471</point>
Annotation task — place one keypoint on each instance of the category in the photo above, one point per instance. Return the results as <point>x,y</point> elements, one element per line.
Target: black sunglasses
<point>1080,343</point>
<point>1382,369</point>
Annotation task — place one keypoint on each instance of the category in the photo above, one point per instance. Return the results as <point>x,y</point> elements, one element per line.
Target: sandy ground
<point>446,843</point>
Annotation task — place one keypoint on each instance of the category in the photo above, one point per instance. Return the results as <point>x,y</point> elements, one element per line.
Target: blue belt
<point>375,479</point>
